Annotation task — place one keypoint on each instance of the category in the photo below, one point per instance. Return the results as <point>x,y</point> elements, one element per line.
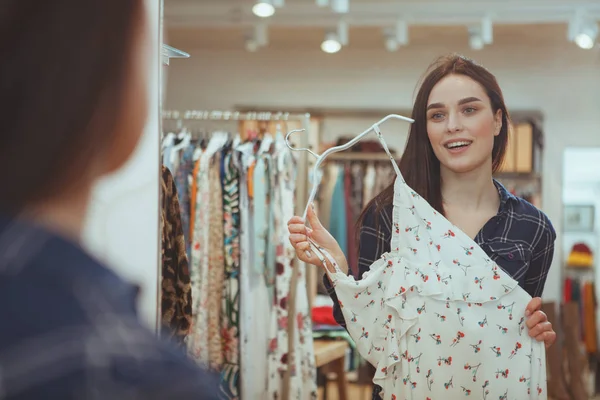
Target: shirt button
<point>511,256</point>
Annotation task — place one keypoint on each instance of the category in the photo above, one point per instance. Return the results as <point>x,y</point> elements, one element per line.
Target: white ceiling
<point>305,13</point>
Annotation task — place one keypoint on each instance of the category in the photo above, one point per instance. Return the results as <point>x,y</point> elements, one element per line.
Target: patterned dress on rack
<point>182,177</point>
<point>437,317</point>
<point>260,293</point>
<point>302,383</point>
<point>176,293</point>
<point>230,377</point>
<point>251,385</point>
<point>216,264</point>
<point>198,339</point>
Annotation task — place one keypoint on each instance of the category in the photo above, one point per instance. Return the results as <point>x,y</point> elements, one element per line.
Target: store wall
<point>122,225</point>
<point>561,81</point>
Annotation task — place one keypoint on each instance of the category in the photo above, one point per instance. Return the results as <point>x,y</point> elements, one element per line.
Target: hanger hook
<point>287,143</point>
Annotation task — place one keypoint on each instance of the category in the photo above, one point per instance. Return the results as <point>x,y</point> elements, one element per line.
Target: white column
<point>122,228</point>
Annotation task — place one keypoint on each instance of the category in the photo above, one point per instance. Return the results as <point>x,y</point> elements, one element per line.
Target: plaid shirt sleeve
<point>541,259</point>
<point>374,240</point>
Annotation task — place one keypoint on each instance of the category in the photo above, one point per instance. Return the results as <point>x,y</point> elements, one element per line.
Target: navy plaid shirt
<point>69,329</point>
<point>520,239</point>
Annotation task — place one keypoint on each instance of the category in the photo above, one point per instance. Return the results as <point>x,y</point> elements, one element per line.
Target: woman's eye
<point>469,110</point>
<point>437,116</point>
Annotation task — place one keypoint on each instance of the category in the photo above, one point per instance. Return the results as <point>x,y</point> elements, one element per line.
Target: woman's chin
<point>460,168</point>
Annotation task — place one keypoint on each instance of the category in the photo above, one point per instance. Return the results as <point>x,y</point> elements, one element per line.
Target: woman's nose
<point>454,124</point>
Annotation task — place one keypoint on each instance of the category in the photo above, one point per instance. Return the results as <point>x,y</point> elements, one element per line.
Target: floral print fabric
<point>241,269</point>
<point>231,299</point>
<point>302,384</point>
<point>437,317</point>
<point>198,339</point>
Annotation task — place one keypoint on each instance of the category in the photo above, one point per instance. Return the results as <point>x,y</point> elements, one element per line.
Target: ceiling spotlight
<point>582,30</point>
<point>331,44</point>
<point>343,32</point>
<point>401,32</point>
<point>251,45</point>
<point>263,9</point>
<point>587,37</point>
<point>487,30</point>
<point>476,41</point>
<point>391,44</point>
<point>396,36</point>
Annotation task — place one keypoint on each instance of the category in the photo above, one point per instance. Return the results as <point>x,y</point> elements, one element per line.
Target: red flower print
<point>282,323</point>
<point>279,268</point>
<point>272,345</point>
<point>300,321</point>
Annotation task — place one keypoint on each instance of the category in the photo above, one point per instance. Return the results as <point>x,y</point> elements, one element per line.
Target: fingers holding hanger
<point>298,238</point>
<point>297,227</point>
<point>295,220</point>
<point>306,254</point>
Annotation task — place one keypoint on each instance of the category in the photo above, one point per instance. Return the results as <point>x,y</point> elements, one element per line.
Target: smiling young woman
<point>454,147</point>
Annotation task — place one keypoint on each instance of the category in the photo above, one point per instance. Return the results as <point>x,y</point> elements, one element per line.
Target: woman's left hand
<point>537,322</point>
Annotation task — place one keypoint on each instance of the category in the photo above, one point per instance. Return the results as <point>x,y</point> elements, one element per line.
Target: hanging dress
<point>230,377</point>
<point>216,264</point>
<point>198,338</point>
<point>436,316</point>
<point>302,375</point>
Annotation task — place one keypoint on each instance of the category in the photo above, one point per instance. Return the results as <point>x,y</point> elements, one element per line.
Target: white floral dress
<point>437,317</point>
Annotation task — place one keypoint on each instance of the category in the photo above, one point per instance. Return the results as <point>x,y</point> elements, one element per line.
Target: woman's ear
<point>497,122</point>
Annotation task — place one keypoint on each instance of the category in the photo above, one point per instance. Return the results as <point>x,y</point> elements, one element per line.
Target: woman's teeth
<point>457,144</point>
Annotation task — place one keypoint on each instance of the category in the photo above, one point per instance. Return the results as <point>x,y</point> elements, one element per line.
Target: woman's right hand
<point>299,234</point>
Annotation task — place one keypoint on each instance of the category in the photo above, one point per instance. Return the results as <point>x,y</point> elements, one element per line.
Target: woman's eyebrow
<point>460,102</point>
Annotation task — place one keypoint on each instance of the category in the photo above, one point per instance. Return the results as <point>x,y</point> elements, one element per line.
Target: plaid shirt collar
<point>506,197</point>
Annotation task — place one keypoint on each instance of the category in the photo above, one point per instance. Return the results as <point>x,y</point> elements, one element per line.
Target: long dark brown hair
<point>63,77</point>
<point>418,164</point>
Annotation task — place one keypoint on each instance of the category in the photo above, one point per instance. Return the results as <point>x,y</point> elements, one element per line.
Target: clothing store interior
<point>246,85</point>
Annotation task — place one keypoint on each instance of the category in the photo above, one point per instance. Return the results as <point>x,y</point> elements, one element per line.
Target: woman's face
<point>461,124</point>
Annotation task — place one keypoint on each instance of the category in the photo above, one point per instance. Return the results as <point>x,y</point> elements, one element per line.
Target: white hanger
<point>216,142</point>
<point>168,140</point>
<point>185,138</point>
<point>264,145</point>
<point>321,158</point>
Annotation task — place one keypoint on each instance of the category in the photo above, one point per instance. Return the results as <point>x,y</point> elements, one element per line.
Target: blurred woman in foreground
<point>73,85</point>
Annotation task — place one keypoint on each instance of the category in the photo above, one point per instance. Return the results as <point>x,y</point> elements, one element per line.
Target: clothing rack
<point>236,116</point>
<point>359,157</point>
<point>301,186</point>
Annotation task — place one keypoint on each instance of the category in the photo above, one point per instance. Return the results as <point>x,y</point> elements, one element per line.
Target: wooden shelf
<point>327,351</point>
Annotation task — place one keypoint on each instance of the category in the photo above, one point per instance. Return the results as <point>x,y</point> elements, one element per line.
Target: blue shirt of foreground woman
<point>73,84</point>
<point>457,142</point>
